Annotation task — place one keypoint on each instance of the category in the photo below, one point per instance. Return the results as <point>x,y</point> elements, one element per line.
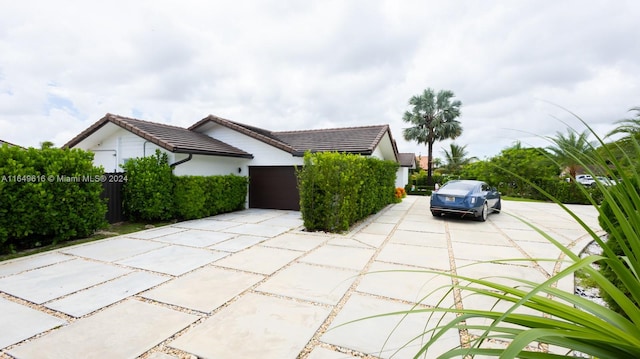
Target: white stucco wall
<point>264,154</point>
<point>112,146</point>
<point>402,176</point>
<point>377,153</point>
<point>201,165</point>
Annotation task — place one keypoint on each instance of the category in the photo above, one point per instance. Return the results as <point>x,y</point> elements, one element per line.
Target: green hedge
<point>198,197</point>
<point>148,192</point>
<point>337,190</point>
<point>153,193</point>
<point>563,191</point>
<point>48,195</point>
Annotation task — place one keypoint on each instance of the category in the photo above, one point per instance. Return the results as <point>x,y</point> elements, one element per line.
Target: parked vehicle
<point>605,181</point>
<point>586,180</point>
<point>466,198</point>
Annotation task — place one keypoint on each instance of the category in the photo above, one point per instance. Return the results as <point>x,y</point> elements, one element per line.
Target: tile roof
<point>251,131</point>
<point>9,144</point>
<point>171,138</point>
<point>423,161</point>
<point>407,159</point>
<point>359,140</point>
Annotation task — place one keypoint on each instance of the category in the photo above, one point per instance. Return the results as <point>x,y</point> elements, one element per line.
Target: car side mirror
<point>493,189</point>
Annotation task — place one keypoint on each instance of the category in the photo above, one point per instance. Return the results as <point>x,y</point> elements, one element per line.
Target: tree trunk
<point>430,163</point>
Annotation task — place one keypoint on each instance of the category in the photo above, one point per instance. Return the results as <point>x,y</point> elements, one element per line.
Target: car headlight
<point>473,200</point>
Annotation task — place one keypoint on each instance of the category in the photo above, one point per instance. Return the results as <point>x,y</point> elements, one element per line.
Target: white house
<point>217,146</point>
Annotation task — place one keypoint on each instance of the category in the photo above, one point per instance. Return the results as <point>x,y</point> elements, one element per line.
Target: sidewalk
<point>253,284</point>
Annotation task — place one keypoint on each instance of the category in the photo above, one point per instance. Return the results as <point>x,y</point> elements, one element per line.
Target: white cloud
<point>296,65</point>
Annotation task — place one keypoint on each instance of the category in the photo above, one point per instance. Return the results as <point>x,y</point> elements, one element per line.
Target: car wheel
<point>485,212</point>
<point>498,207</point>
<point>435,214</point>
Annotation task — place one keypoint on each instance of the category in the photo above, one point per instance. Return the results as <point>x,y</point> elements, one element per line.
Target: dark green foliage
<point>421,190</point>
<point>189,197</point>
<point>148,192</point>
<point>516,172</point>
<point>513,171</point>
<point>419,178</point>
<point>48,195</point>
<point>152,192</point>
<point>567,192</point>
<point>336,190</point>
<point>198,197</point>
<point>228,193</point>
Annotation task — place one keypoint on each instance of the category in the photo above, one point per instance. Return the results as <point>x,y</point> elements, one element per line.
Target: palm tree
<point>434,119</point>
<point>571,150</point>
<point>629,126</point>
<point>437,162</point>
<point>456,158</point>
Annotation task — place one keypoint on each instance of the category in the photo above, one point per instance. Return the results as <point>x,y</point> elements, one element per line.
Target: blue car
<point>466,198</point>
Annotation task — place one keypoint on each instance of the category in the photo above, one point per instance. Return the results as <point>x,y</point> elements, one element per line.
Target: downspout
<point>173,165</point>
<point>144,148</point>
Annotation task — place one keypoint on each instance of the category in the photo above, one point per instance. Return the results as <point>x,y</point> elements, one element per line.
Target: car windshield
<point>459,186</point>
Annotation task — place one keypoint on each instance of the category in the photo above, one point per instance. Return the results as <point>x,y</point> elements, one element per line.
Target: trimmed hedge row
<point>148,192</point>
<point>563,191</point>
<point>48,195</point>
<point>153,193</point>
<point>337,190</point>
<point>198,197</point>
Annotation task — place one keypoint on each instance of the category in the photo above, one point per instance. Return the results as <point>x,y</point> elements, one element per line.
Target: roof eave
<point>212,153</point>
<point>299,153</point>
<point>87,132</point>
<point>233,126</point>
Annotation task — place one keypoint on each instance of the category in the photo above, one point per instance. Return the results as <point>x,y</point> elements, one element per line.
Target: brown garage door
<point>273,187</point>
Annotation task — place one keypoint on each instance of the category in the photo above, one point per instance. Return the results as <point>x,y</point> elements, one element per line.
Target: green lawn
<point>111,230</point>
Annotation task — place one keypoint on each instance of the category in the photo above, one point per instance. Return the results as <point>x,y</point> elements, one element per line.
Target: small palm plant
<point>543,321</point>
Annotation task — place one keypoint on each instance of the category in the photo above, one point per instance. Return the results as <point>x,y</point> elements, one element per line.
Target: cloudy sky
<point>291,65</point>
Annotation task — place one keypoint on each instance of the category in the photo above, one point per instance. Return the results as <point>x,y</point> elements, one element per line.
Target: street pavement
<point>255,284</point>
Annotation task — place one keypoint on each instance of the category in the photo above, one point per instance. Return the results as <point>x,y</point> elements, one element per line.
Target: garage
<point>273,187</point>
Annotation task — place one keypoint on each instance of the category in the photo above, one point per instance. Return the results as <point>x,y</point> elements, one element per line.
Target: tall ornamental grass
<point>543,321</point>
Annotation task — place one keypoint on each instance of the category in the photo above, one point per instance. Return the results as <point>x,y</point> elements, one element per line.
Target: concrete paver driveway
<point>254,284</point>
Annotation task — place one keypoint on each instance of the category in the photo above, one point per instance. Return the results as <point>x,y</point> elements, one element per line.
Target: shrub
<point>190,197</point>
<point>198,196</point>
<point>231,195</point>
<point>148,192</point>
<point>48,195</point>
<point>336,190</point>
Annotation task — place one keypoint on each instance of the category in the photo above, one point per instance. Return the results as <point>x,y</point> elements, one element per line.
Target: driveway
<point>254,284</point>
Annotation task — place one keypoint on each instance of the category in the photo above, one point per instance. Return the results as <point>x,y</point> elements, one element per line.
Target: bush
<point>565,192</point>
<point>198,197</point>
<point>48,195</point>
<point>190,197</point>
<point>336,190</point>
<point>152,192</point>
<point>418,190</point>
<point>228,193</point>
<point>148,192</point>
